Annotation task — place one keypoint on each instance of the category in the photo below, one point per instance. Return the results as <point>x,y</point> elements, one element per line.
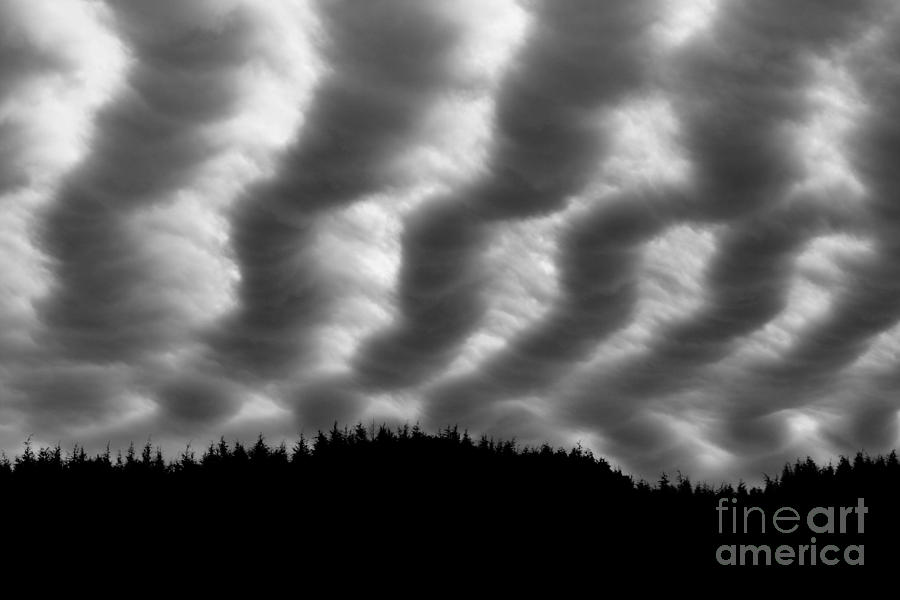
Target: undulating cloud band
<point>666,230</point>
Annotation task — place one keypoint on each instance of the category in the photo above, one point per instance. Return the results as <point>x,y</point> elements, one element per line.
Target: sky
<point>668,231</point>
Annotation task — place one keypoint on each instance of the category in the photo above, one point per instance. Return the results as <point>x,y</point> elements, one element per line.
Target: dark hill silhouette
<point>443,501</point>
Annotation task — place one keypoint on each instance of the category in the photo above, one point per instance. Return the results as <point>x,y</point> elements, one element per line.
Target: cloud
<point>150,141</point>
<point>598,280</point>
<point>738,87</point>
<point>382,75</point>
<point>50,74</point>
<point>664,229</point>
<point>735,140</point>
<point>546,144</point>
<point>125,272</point>
<point>868,305</point>
<point>199,398</point>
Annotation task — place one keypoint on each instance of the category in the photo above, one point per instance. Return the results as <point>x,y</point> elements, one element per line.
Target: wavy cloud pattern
<point>667,230</point>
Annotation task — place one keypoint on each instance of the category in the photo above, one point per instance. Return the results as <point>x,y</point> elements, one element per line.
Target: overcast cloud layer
<point>668,230</point>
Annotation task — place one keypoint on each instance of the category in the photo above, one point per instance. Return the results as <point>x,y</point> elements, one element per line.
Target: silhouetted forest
<point>414,497</point>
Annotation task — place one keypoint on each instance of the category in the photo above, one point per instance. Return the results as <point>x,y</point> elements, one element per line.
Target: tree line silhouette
<point>416,494</point>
